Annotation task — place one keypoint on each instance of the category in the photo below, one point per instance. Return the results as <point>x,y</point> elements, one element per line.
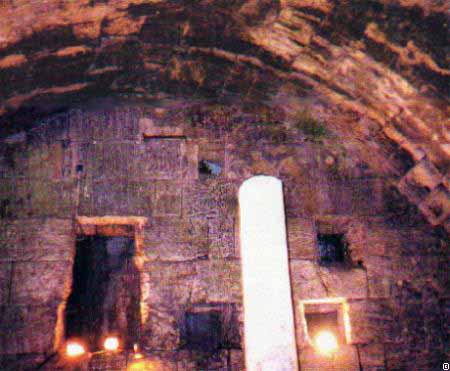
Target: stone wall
<point>135,160</point>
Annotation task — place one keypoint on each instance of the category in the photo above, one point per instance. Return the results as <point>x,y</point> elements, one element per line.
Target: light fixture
<point>74,349</point>
<point>137,354</point>
<point>111,344</point>
<point>326,342</point>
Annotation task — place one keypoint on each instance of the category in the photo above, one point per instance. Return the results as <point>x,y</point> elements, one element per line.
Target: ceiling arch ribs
<point>379,68</point>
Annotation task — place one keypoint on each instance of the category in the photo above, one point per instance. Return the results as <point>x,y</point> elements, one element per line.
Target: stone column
<point>269,330</point>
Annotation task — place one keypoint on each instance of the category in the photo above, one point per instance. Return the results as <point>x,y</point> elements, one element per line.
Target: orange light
<point>326,343</point>
<point>137,355</point>
<point>111,344</point>
<point>147,365</point>
<point>74,349</point>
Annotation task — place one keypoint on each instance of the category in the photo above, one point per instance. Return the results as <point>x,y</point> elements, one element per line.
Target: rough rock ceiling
<point>376,71</point>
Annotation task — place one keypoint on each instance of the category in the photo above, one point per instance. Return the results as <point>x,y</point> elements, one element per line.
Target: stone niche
<point>168,180</point>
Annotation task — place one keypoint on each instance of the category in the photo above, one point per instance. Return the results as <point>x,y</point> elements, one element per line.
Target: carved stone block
<point>166,199</point>
<point>40,282</point>
<point>162,158</point>
<point>49,239</point>
<point>301,238</point>
<point>5,281</point>
<point>349,283</point>
<point>380,276</point>
<point>49,198</point>
<point>346,358</point>
<point>21,362</point>
<point>305,280</point>
<point>221,279</point>
<point>371,321</point>
<point>27,329</point>
<point>222,238</point>
<point>312,281</point>
<point>176,240</point>
<point>436,206</point>
<point>372,356</point>
<point>107,197</point>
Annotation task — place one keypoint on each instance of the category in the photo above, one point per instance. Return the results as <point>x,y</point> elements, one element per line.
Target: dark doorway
<point>105,292</point>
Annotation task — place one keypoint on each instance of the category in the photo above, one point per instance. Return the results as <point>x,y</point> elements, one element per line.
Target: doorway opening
<point>105,294</point>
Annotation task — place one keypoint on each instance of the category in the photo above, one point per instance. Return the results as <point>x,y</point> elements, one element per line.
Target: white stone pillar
<point>269,332</point>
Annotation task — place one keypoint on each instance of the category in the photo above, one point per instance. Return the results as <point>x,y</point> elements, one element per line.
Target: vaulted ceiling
<point>376,72</point>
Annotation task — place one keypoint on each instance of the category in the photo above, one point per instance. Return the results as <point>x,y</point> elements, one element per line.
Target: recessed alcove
<point>332,242</point>
<point>209,168</point>
<point>328,314</point>
<point>319,321</point>
<point>333,248</point>
<point>203,331</point>
<point>210,328</point>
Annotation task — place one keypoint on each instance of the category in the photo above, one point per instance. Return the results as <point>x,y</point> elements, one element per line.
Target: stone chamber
<point>126,131</point>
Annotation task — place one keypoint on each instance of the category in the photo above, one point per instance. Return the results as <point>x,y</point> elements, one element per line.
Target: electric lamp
<point>111,344</point>
<point>137,354</point>
<point>326,342</point>
<point>74,349</point>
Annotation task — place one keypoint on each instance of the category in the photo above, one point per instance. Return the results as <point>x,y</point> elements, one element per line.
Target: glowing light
<point>111,344</point>
<point>148,365</point>
<point>74,349</point>
<point>347,327</point>
<point>137,355</point>
<point>268,315</point>
<point>342,302</point>
<point>326,343</point>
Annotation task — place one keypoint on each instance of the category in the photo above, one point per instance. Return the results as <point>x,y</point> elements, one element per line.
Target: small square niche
<point>317,322</point>
<point>329,315</point>
<point>209,168</point>
<point>333,248</point>
<point>203,331</point>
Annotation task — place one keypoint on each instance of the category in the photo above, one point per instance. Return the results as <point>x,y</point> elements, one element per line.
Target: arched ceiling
<point>376,72</point>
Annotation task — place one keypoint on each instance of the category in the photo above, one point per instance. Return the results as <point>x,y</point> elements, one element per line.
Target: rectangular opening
<point>148,137</point>
<point>163,157</point>
<point>105,295</point>
<point>209,168</point>
<point>333,248</point>
<point>211,327</point>
<point>327,321</point>
<point>203,331</point>
<point>329,315</point>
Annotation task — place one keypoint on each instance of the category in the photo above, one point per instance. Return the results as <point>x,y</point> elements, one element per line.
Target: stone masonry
<point>143,160</point>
